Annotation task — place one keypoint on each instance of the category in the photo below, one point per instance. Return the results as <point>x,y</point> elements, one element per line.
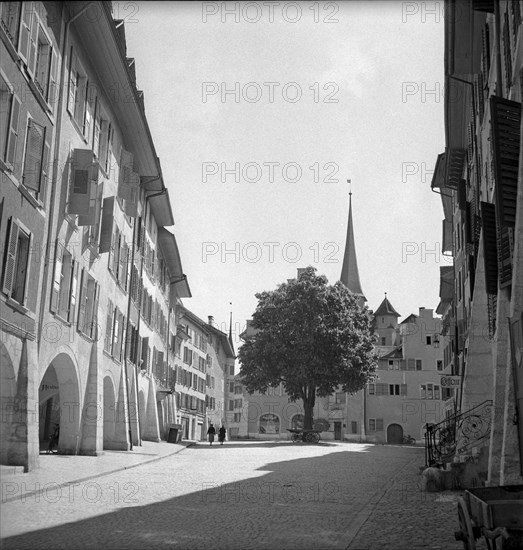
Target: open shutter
<point>25,30</point>
<point>94,316</point>
<point>124,176</point>
<point>95,198</point>
<point>44,174</point>
<point>71,97</point>
<point>33,42</point>
<point>82,173</point>
<point>88,113</point>
<point>74,285</point>
<point>145,353</point>
<point>506,135</point>
<point>121,260</point>
<point>96,131</point>
<point>116,252</point>
<point>107,225</point>
<point>33,155</point>
<point>120,335</point>
<point>125,270</point>
<point>12,137</point>
<point>10,263</point>
<point>488,216</point>
<point>82,301</point>
<point>108,326</point>
<point>131,203</point>
<point>52,90</point>
<point>57,279</point>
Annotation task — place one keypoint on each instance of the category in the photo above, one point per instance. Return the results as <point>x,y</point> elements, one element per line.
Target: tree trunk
<point>308,407</point>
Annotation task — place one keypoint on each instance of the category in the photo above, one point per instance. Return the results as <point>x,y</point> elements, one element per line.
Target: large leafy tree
<point>312,337</point>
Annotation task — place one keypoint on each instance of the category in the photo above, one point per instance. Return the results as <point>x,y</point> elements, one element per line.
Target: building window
<point>430,391</point>
<point>297,422</point>
<point>231,387</point>
<point>231,370</point>
<point>238,389</point>
<point>187,356</point>
<point>419,364</point>
<point>269,423</point>
<point>237,417</point>
<point>16,262</point>
<point>372,424</point>
<point>354,427</point>
<point>423,391</point>
<point>237,403</point>
<point>87,310</point>
<point>9,122</point>
<point>231,404</point>
<point>383,341</point>
<point>439,364</point>
<point>36,159</point>
<point>371,389</point>
<point>375,424</point>
<point>391,364</point>
<point>428,340</point>
<point>340,398</point>
<point>63,292</point>
<point>436,392</point>
<point>394,389</point>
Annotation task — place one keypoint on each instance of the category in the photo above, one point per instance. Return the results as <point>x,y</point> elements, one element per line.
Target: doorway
<point>395,434</point>
<point>337,431</point>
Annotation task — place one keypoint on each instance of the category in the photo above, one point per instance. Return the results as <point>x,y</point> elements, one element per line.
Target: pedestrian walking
<point>53,440</point>
<point>211,432</point>
<point>221,435</point>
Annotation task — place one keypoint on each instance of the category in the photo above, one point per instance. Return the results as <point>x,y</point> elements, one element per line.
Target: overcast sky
<point>341,90</point>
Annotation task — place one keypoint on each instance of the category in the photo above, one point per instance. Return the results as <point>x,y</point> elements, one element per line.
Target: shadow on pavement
<point>308,502</point>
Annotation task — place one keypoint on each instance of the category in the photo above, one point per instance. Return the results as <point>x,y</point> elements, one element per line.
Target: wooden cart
<point>306,436</point>
<point>495,513</point>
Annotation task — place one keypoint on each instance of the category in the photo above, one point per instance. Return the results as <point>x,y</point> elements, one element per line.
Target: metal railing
<point>464,429</point>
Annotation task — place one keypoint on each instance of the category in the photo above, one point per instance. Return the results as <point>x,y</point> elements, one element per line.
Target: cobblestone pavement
<point>243,495</point>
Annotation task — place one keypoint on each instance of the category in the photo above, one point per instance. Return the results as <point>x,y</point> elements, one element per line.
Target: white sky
<point>385,141</point>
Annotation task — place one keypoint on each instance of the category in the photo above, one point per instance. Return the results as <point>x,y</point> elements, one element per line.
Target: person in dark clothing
<point>211,432</point>
<point>221,435</point>
<point>53,440</point>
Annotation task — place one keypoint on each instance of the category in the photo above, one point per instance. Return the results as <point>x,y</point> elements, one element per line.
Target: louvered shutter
<point>108,326</point>
<point>505,247</point>
<point>44,174</point>
<point>122,260</point>
<point>95,199</point>
<point>25,30</point>
<point>10,262</point>
<point>33,155</point>
<point>82,301</point>
<point>96,130</point>
<point>490,254</point>
<point>94,316</point>
<point>73,83</point>
<point>88,113</point>
<point>106,231</point>
<point>379,424</point>
<point>52,90</point>
<point>55,291</point>
<point>74,285</point>
<point>82,173</point>
<point>116,253</point>
<point>506,135</point>
<point>33,42</point>
<point>12,137</point>
<point>124,176</point>
<point>125,270</point>
<point>411,364</point>
<point>145,353</point>
<point>131,203</point>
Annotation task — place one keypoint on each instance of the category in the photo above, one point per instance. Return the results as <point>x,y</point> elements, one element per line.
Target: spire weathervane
<point>350,187</point>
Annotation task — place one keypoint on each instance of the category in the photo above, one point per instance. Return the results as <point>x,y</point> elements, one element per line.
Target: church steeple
<point>350,276</point>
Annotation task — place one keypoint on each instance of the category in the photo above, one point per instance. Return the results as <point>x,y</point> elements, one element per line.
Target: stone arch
<point>394,434</point>
<point>269,424</point>
<point>109,414</point>
<point>297,421</point>
<point>66,407</point>
<point>7,399</point>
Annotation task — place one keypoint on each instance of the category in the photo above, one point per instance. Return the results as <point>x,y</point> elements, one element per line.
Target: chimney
<point>421,311</point>
<point>211,319</point>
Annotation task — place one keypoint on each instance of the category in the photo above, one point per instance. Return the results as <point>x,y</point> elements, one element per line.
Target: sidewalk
<point>63,470</point>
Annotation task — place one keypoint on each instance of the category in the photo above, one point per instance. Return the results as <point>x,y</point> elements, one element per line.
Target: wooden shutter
<point>125,263</point>
<point>74,285</point>
<point>131,203</point>
<point>145,353</point>
<point>93,332</point>
<point>44,174</point>
<point>124,176</point>
<point>52,89</point>
<point>108,326</point>
<point>403,389</point>
<point>506,136</point>
<point>10,255</point>
<point>57,279</point>
<point>116,252</point>
<point>106,231</point>
<point>379,424</point>
<point>122,260</point>
<point>112,249</point>
<point>82,174</point>
<point>33,43</point>
<point>490,253</point>
<point>95,199</point>
<point>82,301</point>
<point>71,97</point>
<point>12,137</point>
<point>96,129</point>
<point>26,23</point>
<point>33,155</point>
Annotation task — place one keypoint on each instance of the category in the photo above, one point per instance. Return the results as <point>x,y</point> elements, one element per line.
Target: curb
<point>93,476</point>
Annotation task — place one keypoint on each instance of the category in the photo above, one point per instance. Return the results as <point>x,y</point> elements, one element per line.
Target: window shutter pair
<point>10,262</point>
<point>84,177</point>
<point>36,157</point>
<point>26,44</point>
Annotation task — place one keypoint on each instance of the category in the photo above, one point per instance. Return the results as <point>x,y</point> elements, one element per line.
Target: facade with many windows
<point>91,277</point>
<point>479,177</point>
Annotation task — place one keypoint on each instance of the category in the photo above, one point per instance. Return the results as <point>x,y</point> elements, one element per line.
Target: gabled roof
<point>411,317</point>
<point>224,339</point>
<point>386,308</point>
<point>396,353</point>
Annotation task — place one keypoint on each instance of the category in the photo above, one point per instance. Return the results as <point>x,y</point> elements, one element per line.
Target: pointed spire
<point>350,276</point>
<point>230,328</point>
<point>385,308</point>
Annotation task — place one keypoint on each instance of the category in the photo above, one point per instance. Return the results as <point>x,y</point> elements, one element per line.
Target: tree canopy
<point>312,337</point>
